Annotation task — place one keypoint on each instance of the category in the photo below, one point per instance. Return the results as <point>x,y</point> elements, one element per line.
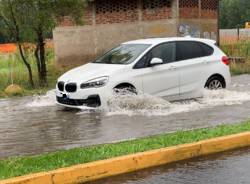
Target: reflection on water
<point>33,125</point>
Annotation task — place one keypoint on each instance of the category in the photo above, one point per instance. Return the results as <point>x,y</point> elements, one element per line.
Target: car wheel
<point>125,90</point>
<point>215,83</point>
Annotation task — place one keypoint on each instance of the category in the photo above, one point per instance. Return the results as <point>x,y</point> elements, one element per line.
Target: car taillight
<point>225,60</point>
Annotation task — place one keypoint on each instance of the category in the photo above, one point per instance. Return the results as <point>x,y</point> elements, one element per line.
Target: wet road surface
<point>33,125</point>
<point>228,168</point>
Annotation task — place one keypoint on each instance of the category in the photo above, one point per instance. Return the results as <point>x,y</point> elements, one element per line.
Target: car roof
<point>156,41</point>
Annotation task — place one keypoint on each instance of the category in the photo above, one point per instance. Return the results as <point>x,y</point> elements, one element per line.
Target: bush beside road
<point>13,70</point>
<point>240,49</point>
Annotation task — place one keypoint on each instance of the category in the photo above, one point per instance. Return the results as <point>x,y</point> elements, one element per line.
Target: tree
<point>41,16</point>
<point>234,13</point>
<point>36,20</point>
<point>3,34</point>
<point>9,15</point>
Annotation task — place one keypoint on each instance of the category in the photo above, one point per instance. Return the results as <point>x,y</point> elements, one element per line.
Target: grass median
<point>13,167</point>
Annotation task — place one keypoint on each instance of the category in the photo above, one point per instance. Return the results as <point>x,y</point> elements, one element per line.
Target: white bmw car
<point>172,68</point>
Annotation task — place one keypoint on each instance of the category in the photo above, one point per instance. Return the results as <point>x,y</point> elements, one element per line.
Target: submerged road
<point>228,168</point>
<point>33,125</point>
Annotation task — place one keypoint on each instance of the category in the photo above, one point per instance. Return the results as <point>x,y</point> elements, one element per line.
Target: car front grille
<point>71,87</point>
<point>67,101</point>
<point>60,86</point>
<point>91,101</point>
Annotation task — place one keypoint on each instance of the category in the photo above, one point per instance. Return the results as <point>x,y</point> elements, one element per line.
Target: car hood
<point>90,71</point>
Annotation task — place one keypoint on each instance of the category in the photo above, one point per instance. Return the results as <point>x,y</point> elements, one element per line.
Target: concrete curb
<point>124,164</point>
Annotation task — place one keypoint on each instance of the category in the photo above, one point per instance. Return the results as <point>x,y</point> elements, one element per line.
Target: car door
<point>192,66</point>
<point>163,79</point>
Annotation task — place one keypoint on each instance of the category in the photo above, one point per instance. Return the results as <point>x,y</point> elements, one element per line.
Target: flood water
<point>228,168</point>
<point>33,125</point>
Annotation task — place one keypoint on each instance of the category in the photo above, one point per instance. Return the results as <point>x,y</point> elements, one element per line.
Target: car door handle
<point>172,68</point>
<point>206,62</point>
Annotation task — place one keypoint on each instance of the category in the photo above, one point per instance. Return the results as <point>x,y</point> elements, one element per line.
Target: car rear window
<point>207,50</point>
<point>191,49</point>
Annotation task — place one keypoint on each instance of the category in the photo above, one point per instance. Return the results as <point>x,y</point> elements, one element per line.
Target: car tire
<point>125,90</point>
<point>215,83</point>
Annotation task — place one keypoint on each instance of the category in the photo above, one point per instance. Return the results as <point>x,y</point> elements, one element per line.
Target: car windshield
<point>123,54</point>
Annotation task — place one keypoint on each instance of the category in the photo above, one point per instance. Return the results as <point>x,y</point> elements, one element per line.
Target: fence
<point>229,36</point>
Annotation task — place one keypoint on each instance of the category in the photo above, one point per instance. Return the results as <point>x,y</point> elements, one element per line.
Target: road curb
<point>129,163</point>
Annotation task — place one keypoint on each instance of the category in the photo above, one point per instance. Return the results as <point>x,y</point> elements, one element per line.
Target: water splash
<point>148,105</point>
<point>43,101</point>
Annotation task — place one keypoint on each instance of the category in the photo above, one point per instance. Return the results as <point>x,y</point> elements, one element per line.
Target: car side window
<point>165,51</point>
<point>143,62</point>
<point>207,50</point>
<point>191,49</point>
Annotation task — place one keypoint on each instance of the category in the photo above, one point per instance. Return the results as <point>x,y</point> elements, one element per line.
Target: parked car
<point>172,68</point>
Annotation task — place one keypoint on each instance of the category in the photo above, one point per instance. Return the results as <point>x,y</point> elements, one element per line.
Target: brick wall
<point>88,15</point>
<point>157,9</point>
<point>116,11</point>
<point>125,11</point>
<point>122,11</point>
<point>209,9</point>
<point>189,9</point>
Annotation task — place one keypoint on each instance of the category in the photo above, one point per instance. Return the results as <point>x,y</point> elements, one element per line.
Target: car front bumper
<point>91,97</point>
<point>91,101</point>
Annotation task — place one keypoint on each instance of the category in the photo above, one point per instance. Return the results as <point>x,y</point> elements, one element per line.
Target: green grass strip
<point>31,164</point>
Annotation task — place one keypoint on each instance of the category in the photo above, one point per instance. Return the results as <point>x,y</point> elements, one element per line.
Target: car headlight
<point>95,83</point>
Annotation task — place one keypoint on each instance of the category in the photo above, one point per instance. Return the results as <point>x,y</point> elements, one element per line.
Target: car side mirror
<point>156,61</point>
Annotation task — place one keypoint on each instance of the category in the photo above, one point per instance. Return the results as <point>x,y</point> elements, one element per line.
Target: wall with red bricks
<point>125,11</point>
<point>189,13</point>
<point>209,14</point>
<point>189,9</point>
<point>116,11</point>
<point>156,10</point>
<point>88,16</point>
<point>209,9</point>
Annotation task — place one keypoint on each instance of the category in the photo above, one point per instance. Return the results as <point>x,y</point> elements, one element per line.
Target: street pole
<point>218,23</point>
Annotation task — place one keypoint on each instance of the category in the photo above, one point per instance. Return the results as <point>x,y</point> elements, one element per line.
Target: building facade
<point>107,23</point>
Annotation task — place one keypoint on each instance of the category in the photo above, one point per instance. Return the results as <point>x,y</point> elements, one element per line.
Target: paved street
<point>33,125</point>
